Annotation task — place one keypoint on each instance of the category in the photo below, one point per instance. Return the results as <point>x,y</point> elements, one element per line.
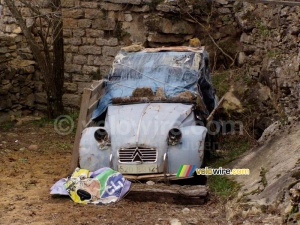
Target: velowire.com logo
<point>188,170</point>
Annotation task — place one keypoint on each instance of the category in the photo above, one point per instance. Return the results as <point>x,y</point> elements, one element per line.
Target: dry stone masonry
<point>263,38</point>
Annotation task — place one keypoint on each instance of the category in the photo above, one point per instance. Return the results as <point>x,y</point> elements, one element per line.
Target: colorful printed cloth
<point>100,187</point>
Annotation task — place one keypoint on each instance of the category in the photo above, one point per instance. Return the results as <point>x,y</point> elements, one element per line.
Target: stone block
<point>93,13</point>
<point>133,2</point>
<point>82,85</point>
<point>110,51</point>
<point>167,8</point>
<point>90,50</point>
<point>88,41</point>
<point>84,23</point>
<point>245,38</point>
<point>70,87</point>
<point>103,61</point>
<point>128,17</point>
<point>142,8</point>
<point>92,5</point>
<point>70,23</point>
<point>67,33</point>
<point>75,14</point>
<point>73,41</point>
<point>72,68</point>
<point>80,59</point>
<point>30,99</point>
<point>68,57</point>
<point>81,78</point>
<point>78,33</point>
<point>107,42</point>
<point>91,59</point>
<point>71,49</point>
<point>111,7</point>
<point>104,24</point>
<point>40,98</point>
<point>71,100</point>
<point>68,3</point>
<point>89,69</point>
<point>94,33</point>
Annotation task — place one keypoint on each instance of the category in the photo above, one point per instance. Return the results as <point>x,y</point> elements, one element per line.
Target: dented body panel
<point>136,137</point>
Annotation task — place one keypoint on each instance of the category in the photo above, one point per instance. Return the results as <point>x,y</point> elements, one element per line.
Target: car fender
<point>190,151</point>
<point>92,155</point>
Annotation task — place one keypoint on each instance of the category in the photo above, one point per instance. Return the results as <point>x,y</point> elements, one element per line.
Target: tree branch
<point>208,33</point>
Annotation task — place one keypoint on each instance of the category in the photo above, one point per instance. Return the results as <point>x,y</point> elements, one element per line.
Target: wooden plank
<point>89,101</point>
<point>92,107</point>
<point>82,120</point>
<point>175,49</point>
<point>97,91</point>
<point>189,195</point>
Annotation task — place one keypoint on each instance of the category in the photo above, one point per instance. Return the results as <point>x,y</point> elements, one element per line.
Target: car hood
<point>144,125</point>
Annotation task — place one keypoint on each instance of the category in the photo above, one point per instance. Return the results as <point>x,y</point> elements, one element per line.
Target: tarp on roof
<point>175,72</point>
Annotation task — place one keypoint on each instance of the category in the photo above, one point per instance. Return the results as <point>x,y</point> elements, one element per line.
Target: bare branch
<point>208,33</point>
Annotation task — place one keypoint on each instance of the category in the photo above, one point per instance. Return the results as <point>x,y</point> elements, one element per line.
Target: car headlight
<point>174,136</point>
<point>101,135</point>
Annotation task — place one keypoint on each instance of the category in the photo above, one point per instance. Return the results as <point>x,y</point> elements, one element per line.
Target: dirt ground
<point>33,158</point>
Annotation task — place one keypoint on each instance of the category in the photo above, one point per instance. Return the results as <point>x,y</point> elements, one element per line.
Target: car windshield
<point>173,72</point>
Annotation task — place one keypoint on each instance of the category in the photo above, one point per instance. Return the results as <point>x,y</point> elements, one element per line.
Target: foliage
<point>119,32</point>
<point>222,186</point>
<point>263,30</point>
<point>7,125</point>
<point>231,147</point>
<point>96,75</point>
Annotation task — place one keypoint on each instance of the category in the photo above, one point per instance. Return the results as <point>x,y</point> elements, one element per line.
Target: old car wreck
<point>148,116</point>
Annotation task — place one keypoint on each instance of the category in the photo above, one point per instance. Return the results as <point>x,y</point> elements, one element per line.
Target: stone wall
<point>263,38</point>
<point>16,75</point>
<point>270,39</point>
<point>94,31</point>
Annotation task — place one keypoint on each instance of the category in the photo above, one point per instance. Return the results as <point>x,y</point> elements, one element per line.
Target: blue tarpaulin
<point>175,72</point>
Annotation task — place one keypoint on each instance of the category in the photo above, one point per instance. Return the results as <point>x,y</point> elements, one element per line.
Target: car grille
<point>129,155</point>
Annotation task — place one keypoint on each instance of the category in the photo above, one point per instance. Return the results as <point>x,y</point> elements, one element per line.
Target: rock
<point>41,98</point>
<point>133,48</point>
<point>84,23</point>
<point>242,58</point>
<point>160,93</point>
<point>71,100</point>
<point>245,38</point>
<point>133,2</point>
<point>33,147</point>
<point>128,17</point>
<point>30,100</point>
<point>70,87</point>
<point>185,210</point>
<point>222,2</point>
<point>107,42</point>
<point>90,50</point>
<point>80,59</point>
<point>195,42</point>
<point>104,24</point>
<point>17,30</point>
<point>110,51</point>
<point>150,182</point>
<point>288,209</point>
<point>174,221</point>
<point>269,132</point>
